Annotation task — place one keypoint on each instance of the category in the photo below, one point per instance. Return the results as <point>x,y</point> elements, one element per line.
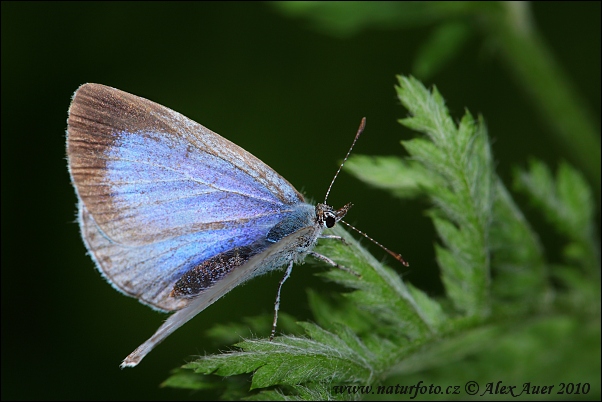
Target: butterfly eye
<point>330,221</point>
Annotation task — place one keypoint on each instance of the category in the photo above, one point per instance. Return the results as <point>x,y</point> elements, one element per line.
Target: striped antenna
<point>397,256</point>
<point>359,132</point>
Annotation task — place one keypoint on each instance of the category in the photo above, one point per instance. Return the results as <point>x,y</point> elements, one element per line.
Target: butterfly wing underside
<point>159,193</point>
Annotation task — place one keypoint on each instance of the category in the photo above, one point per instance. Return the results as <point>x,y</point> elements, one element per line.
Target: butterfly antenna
<point>359,132</point>
<point>397,256</point>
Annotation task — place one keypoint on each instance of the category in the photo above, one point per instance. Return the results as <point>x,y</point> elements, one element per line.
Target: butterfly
<point>175,215</point>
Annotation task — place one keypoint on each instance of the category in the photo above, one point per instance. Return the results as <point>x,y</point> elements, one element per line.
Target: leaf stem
<point>550,89</point>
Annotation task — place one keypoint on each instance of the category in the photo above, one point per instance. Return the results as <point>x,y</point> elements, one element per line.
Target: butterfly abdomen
<point>212,270</point>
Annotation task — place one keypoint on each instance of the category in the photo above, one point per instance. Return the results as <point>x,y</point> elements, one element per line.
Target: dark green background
<point>290,95</point>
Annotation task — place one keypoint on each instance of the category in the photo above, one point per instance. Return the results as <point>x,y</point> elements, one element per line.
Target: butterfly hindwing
<point>275,255</point>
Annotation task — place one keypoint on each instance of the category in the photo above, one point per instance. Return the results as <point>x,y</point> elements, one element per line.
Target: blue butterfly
<point>175,215</point>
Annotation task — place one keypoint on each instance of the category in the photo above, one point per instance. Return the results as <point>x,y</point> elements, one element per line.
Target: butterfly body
<point>206,274</point>
<point>172,213</point>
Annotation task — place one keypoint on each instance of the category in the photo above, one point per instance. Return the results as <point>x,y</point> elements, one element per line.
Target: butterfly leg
<point>332,263</point>
<point>289,269</point>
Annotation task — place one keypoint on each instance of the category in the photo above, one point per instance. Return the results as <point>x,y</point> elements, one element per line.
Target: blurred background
<point>286,88</point>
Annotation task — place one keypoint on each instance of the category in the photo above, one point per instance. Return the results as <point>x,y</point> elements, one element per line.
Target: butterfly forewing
<point>159,193</point>
<point>139,165</point>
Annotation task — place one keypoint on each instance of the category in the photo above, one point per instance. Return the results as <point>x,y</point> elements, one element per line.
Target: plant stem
<point>551,91</point>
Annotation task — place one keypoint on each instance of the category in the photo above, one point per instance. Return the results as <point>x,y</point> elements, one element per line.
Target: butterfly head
<point>327,216</point>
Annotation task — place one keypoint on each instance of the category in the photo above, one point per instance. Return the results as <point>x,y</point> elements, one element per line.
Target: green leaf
<point>442,45</point>
<point>346,18</point>
<point>540,351</point>
<point>522,277</point>
<point>379,289</point>
<point>461,157</point>
<point>324,356</point>
<point>567,203</point>
<point>186,379</point>
<point>402,178</point>
<point>252,326</point>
